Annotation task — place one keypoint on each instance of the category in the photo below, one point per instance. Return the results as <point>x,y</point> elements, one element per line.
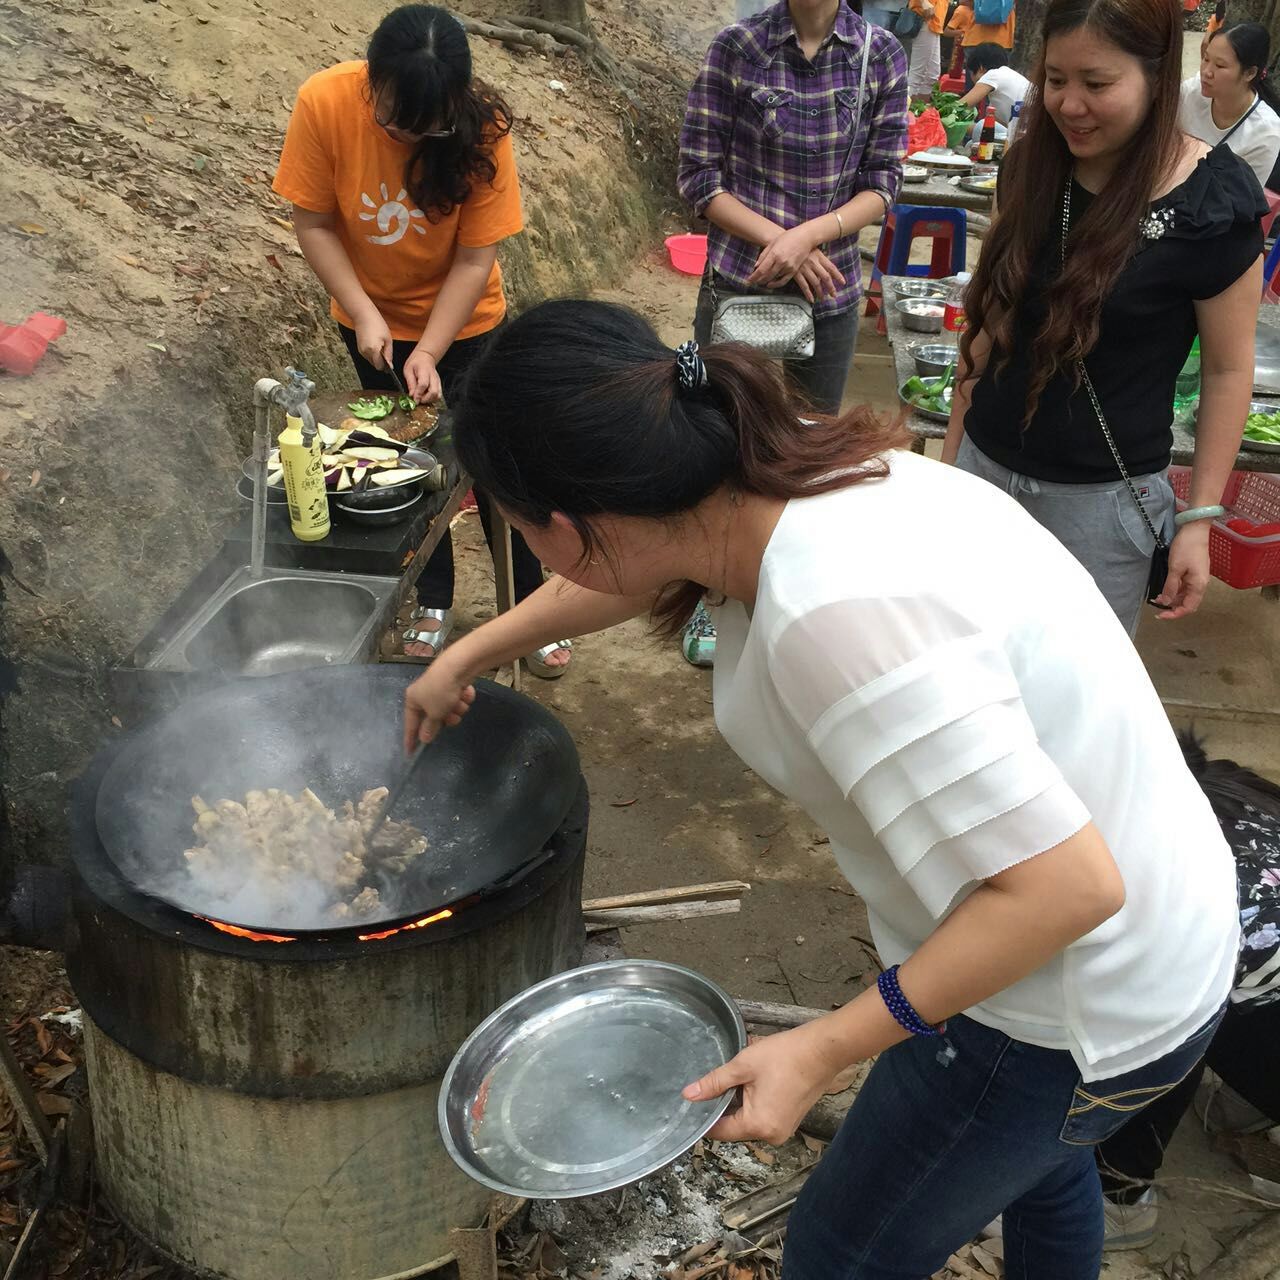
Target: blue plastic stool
<point>947,228</point>
<point>1269,268</point>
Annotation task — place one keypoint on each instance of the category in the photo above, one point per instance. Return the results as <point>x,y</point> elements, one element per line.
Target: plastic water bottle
<point>1012,131</point>
<point>1186,390</point>
<point>954,319</point>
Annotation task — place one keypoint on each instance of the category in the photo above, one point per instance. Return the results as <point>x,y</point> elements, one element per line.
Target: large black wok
<point>487,794</point>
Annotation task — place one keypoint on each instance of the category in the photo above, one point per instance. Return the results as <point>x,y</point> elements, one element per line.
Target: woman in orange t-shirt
<point>403,181</point>
<point>973,33</point>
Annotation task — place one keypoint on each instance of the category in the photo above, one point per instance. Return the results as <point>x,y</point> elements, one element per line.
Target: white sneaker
<point>1222,1110</point>
<point>1130,1226</point>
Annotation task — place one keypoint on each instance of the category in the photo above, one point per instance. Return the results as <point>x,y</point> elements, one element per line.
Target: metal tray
<point>932,414</point>
<point>1266,361</point>
<point>574,1086</point>
<point>973,185</point>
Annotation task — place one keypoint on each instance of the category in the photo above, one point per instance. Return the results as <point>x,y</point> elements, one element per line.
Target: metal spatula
<point>396,791</point>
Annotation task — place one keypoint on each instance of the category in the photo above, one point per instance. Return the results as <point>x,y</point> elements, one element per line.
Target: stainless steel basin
<point>283,621</point>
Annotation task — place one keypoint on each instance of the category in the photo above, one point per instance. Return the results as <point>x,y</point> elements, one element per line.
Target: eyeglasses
<point>414,137</point>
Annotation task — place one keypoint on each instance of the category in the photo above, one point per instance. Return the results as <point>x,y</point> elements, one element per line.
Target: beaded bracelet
<point>1198,513</point>
<point>898,1005</point>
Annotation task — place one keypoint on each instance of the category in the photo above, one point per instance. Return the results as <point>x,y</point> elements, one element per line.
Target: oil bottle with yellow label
<point>302,457</point>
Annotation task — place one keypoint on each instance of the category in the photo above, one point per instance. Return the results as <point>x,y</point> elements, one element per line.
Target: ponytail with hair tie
<point>690,369</point>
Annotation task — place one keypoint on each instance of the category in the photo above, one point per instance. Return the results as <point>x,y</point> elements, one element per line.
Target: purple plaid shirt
<point>773,129</point>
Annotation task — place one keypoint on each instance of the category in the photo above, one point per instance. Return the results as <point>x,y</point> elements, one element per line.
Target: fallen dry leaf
<point>128,259</point>
<point>274,261</point>
<point>7,1166</point>
<point>148,119</point>
<point>115,720</point>
<point>32,228</point>
<point>53,1076</point>
<point>623,804</point>
<point>816,1145</point>
<point>282,222</point>
<point>35,478</point>
<point>5,473</point>
<point>54,1104</point>
<point>845,1078</point>
<point>763,1154</point>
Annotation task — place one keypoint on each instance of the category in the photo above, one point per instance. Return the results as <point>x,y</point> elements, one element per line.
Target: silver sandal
<point>537,661</point>
<point>437,638</point>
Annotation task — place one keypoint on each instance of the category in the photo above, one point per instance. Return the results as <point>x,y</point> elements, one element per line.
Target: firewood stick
<point>681,893</point>
<point>613,917</point>
<point>763,1014</point>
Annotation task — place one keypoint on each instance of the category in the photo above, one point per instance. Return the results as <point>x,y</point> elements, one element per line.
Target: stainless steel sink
<point>282,621</point>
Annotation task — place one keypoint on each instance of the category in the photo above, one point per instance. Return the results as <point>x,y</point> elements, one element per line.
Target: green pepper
<point>371,408</point>
<point>914,387</point>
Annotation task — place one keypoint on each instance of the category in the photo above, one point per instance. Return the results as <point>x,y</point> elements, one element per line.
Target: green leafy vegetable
<point>371,408</point>
<point>408,403</point>
<point>931,394</point>
<point>1263,427</point>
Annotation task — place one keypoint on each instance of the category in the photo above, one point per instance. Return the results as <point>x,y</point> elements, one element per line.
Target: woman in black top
<point>1119,238</point>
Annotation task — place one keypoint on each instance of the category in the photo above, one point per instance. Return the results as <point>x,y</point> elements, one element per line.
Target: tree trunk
<point>1026,41</point>
<point>572,13</point>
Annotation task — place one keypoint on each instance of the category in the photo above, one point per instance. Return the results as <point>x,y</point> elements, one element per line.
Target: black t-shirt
<point>1209,236</point>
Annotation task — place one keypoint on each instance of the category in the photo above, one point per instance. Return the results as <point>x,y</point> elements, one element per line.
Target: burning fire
<point>237,932</point>
<point>446,914</point>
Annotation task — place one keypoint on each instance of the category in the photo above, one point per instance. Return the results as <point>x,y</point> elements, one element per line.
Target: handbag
<point>778,325</point>
<point>1159,571</point>
<point>906,23</point>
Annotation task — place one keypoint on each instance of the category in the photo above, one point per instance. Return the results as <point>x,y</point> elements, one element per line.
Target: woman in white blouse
<point>1230,101</point>
<point>916,663</point>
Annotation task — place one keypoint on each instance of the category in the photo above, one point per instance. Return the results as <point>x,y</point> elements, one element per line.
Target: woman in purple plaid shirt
<point>773,119</point>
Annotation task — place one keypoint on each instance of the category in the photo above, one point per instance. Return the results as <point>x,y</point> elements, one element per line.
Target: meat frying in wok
<point>282,844</point>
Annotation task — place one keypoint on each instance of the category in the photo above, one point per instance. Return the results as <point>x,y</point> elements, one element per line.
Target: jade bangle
<point>1192,514</point>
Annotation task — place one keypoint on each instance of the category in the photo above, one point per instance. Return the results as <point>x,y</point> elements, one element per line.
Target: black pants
<point>1245,1052</point>
<point>435,583</point>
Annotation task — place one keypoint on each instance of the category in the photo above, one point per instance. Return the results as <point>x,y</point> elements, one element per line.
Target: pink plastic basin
<point>688,253</point>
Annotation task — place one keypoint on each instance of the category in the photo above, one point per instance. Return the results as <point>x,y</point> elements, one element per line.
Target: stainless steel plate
<point>573,1087</point>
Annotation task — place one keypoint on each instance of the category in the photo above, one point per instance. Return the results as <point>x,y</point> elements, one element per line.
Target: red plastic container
<point>688,253</point>
<point>21,350</point>
<point>48,327</point>
<point>1236,558</point>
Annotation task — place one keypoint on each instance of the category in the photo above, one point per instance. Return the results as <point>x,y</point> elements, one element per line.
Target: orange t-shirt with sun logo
<point>337,159</point>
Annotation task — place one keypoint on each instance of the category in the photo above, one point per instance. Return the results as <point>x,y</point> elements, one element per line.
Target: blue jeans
<point>937,1145</point>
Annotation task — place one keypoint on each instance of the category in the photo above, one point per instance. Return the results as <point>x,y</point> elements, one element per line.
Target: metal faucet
<point>292,397</point>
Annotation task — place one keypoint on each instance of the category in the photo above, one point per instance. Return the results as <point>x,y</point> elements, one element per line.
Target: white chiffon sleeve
<point>919,720</point>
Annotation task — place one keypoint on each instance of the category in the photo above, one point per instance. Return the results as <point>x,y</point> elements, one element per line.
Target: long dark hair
<point>1035,173</point>
<point>1251,44</point>
<point>420,80</point>
<point>576,407</point>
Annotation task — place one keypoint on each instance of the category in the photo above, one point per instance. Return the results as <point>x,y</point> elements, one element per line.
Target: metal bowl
<point>574,1087</point>
<point>1255,406</point>
<point>918,314</point>
<point>920,289</point>
<point>934,358</point>
<point>915,173</point>
<point>246,470</point>
<point>275,493</point>
<point>376,497</point>
<point>377,516</point>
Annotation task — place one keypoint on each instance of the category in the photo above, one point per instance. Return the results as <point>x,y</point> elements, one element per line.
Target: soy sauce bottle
<point>987,143</point>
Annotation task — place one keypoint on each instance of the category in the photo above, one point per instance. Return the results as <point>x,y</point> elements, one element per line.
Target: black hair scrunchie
<point>691,371</point>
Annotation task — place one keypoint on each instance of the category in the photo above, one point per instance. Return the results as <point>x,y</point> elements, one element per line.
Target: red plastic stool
<point>946,228</point>
<point>952,84</point>
<point>1273,207</point>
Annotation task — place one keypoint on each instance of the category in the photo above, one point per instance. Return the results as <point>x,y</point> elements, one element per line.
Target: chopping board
<point>330,407</point>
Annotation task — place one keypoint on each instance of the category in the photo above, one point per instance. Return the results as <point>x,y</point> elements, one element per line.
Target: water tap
<point>293,400</point>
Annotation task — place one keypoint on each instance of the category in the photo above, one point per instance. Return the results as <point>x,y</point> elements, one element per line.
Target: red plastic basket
<point>1239,561</point>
